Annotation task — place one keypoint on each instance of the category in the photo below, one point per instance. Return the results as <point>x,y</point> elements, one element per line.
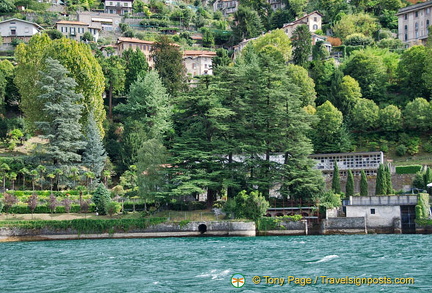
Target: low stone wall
<point>352,225</point>
<point>288,228</point>
<point>191,229</point>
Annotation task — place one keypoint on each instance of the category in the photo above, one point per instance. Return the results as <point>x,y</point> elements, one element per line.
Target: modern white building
<point>356,162</point>
<point>18,29</point>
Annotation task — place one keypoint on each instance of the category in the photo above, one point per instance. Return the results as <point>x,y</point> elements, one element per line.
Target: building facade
<point>75,30</point>
<point>104,21</point>
<point>313,20</point>
<point>413,23</point>
<point>198,62</point>
<point>227,7</point>
<point>356,162</point>
<point>133,43</point>
<point>120,7</point>
<point>14,28</point>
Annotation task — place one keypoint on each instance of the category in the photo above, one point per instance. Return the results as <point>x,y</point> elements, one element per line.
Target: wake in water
<point>327,258</point>
<point>215,275</point>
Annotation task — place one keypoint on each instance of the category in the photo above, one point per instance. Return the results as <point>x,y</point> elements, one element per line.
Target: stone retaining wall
<point>222,228</point>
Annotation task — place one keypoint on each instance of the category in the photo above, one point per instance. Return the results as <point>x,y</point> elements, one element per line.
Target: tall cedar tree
<point>301,41</point>
<point>94,155</point>
<point>363,184</point>
<point>148,115</point>
<point>349,190</point>
<point>247,113</point>
<point>60,107</point>
<point>200,141</point>
<point>336,179</point>
<point>135,64</point>
<point>381,183</point>
<point>169,63</point>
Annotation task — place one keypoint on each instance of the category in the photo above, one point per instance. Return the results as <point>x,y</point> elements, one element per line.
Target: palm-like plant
<point>4,168</point>
<point>24,172</point>
<point>12,176</point>
<point>41,169</point>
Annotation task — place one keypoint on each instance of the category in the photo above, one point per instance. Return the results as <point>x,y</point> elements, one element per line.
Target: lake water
<point>207,264</point>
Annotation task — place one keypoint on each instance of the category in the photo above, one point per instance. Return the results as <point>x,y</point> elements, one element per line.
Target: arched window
<point>315,27</point>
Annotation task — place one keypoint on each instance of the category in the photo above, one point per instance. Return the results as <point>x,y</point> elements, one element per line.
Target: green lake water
<point>206,264</point>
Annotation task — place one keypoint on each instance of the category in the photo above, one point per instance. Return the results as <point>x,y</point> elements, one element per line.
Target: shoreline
<point>191,229</point>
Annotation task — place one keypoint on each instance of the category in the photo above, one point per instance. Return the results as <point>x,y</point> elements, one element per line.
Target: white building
<point>121,7</point>
<point>198,62</point>
<point>413,23</point>
<point>75,30</point>
<point>384,212</point>
<point>313,20</point>
<point>104,21</point>
<point>367,161</point>
<point>18,29</point>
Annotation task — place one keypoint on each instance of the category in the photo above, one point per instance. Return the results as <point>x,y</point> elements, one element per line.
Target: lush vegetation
<point>156,139</point>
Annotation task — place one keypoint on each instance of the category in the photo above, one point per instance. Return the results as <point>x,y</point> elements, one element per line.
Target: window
<point>110,4</point>
<point>406,27</point>
<point>315,27</point>
<point>416,25</point>
<point>372,211</point>
<point>13,32</point>
<point>193,65</point>
<point>427,23</point>
<point>315,19</point>
<point>428,10</point>
<point>406,16</point>
<point>416,14</point>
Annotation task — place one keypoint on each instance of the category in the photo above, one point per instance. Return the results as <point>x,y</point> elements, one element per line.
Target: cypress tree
<point>363,184</point>
<point>388,185</point>
<point>381,184</point>
<point>336,179</point>
<point>94,155</point>
<point>350,184</point>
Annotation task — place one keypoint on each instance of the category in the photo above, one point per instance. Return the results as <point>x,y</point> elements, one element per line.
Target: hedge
<point>85,226</point>
<point>188,206</point>
<point>408,169</point>
<point>44,209</point>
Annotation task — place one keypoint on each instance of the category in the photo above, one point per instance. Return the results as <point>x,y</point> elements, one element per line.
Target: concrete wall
<point>343,226</point>
<point>384,215</point>
<point>288,228</point>
<point>222,228</point>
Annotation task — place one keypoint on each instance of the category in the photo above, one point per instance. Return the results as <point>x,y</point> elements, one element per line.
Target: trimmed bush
<point>413,169</point>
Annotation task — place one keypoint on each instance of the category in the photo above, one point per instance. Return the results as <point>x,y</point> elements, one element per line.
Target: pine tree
<point>381,183</point>
<point>336,179</point>
<point>363,184</point>
<point>94,155</point>
<point>60,107</point>
<point>136,64</point>
<point>349,191</point>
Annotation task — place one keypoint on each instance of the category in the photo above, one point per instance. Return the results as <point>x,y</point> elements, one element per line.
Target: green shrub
<point>401,150</point>
<point>113,208</point>
<point>101,198</point>
<point>413,169</point>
